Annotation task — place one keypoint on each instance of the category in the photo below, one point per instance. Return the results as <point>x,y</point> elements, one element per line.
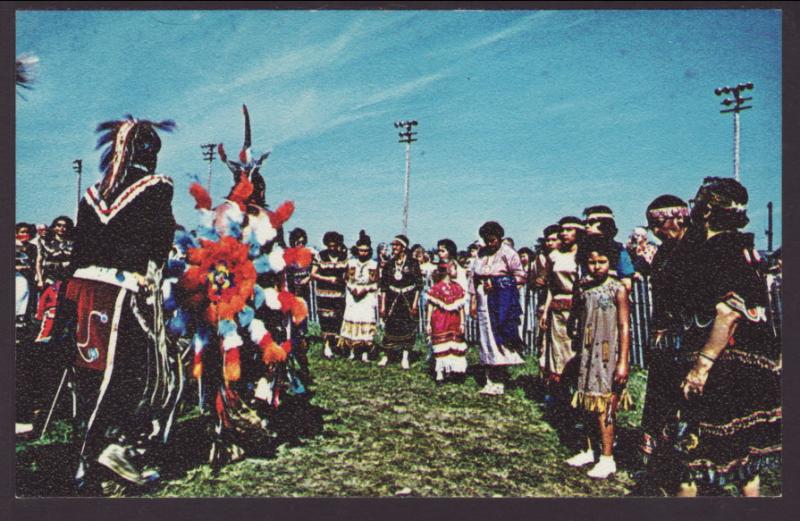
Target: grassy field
<point>370,431</point>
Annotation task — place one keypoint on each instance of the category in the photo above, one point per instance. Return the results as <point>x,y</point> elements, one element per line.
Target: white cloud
<point>398,91</point>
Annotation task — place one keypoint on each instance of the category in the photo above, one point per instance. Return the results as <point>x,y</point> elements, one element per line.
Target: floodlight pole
<point>406,137</point>
<point>77,166</point>
<point>738,105</point>
<point>208,155</point>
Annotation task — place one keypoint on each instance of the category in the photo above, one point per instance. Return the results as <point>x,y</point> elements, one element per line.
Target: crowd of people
<point>114,295</point>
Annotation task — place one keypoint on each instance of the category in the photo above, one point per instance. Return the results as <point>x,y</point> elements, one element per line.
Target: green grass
<point>379,431</point>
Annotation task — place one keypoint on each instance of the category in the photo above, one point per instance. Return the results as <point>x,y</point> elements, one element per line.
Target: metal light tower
<point>208,155</point>
<point>738,105</point>
<point>77,166</point>
<point>406,137</point>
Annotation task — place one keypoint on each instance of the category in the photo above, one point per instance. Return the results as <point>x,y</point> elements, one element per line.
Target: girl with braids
<point>360,320</point>
<point>126,386</point>
<point>445,315</point>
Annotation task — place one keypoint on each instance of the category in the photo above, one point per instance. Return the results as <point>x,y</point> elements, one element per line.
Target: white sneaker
<point>603,468</point>
<point>352,355</point>
<point>383,361</point>
<point>404,363</point>
<point>489,388</point>
<point>582,458</point>
<point>365,357</point>
<point>23,428</point>
<point>499,389</point>
<point>328,353</point>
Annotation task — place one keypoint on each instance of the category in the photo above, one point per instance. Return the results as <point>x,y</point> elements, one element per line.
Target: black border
<point>389,508</point>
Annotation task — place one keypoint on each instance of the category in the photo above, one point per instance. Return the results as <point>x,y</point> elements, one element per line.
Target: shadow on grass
<point>46,470</point>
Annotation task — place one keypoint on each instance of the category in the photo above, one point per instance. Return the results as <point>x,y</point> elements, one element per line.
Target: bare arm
<point>545,310</point>
<point>721,332</point>
<point>624,335</point>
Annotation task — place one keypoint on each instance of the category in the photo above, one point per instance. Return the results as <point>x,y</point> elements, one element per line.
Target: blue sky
<point>524,116</point>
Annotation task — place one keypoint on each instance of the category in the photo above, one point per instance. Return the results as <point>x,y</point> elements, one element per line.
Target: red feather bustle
<point>281,215</point>
<point>201,198</point>
<point>286,299</point>
<point>287,346</point>
<point>241,192</point>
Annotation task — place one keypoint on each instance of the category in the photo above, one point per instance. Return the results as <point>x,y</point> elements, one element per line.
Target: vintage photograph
<point>325,252</point>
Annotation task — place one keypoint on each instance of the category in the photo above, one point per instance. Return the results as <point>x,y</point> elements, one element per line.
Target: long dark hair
<point>50,234</point>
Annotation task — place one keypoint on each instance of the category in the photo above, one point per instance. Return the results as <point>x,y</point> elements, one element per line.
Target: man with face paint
<point>401,284</point>
<point>360,315</point>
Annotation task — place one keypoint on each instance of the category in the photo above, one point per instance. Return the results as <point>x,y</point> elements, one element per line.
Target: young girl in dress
<point>603,326</point>
<point>445,322</point>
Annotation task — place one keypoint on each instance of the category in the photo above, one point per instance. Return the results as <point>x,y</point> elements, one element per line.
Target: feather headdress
<point>247,165</point>
<point>128,142</point>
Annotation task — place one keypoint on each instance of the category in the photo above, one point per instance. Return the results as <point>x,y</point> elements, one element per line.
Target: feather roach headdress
<point>247,165</point>
<point>130,144</point>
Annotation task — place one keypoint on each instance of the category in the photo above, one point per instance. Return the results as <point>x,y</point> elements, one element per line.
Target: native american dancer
<point>729,429</point>
<point>445,322</point>
<point>52,268</point>
<point>329,269</point>
<point>496,274</point>
<point>127,380</point>
<point>668,218</point>
<point>401,284</point>
<point>360,319</point>
<point>232,302</point>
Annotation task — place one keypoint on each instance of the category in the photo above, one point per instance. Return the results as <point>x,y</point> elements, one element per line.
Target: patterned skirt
<point>733,430</point>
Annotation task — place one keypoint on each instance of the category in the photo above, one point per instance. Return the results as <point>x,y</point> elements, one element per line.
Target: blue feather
<point>199,340</point>
<point>184,240</point>
<point>246,316</point>
<point>177,324</point>
<point>233,229</point>
<point>226,327</point>
<point>208,233</point>
<point>261,264</point>
<point>258,297</point>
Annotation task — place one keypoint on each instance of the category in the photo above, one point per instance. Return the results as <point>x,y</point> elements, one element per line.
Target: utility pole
<point>738,105</point>
<point>769,226</point>
<point>406,137</point>
<point>77,166</point>
<point>208,155</point>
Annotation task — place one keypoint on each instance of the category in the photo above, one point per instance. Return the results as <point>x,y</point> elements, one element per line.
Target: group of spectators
<point>712,407</point>
<point>42,263</point>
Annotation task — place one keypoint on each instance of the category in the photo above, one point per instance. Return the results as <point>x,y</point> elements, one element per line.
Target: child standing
<point>604,329</point>
<point>445,322</point>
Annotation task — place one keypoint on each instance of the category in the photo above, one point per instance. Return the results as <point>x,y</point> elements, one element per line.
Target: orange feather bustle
<point>299,311</point>
<point>197,367</point>
<point>270,352</point>
<point>201,198</point>
<point>232,366</point>
<point>281,215</point>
